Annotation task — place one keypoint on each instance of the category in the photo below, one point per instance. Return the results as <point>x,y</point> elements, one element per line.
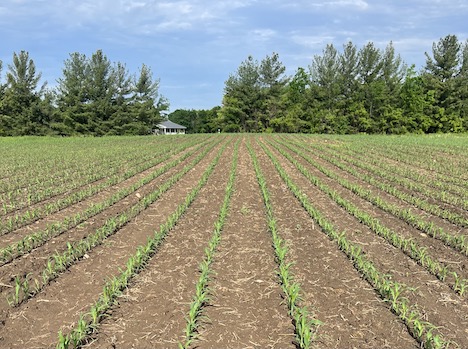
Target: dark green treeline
<point>352,90</point>
<point>94,96</point>
<point>347,90</point>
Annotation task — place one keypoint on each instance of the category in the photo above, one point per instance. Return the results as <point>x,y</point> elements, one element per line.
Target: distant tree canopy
<point>349,91</point>
<point>352,90</point>
<point>94,97</point>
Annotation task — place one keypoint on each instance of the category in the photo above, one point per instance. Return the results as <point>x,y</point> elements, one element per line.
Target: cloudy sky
<point>193,45</point>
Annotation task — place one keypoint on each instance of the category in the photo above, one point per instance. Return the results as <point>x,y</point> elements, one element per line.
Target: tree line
<point>94,96</point>
<point>351,90</point>
<point>348,90</point>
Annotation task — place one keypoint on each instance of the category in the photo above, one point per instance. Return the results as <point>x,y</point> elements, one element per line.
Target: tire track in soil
<point>59,305</point>
<point>34,262</point>
<point>457,261</point>
<point>151,313</point>
<point>354,315</point>
<point>247,309</point>
<point>436,301</point>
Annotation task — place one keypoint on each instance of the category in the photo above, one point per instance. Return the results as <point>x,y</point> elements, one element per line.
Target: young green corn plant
<point>379,281</point>
<point>305,328</point>
<point>114,287</point>
<point>393,209</point>
<point>62,261</point>
<point>419,254</point>
<point>202,291</point>
<point>56,229</point>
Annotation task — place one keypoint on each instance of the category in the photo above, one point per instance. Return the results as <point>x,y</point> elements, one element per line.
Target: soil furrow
<point>441,222</point>
<point>436,300</point>
<point>34,262</point>
<point>436,249</point>
<point>152,311</point>
<point>102,195</point>
<point>58,306</point>
<point>353,315</point>
<point>247,310</point>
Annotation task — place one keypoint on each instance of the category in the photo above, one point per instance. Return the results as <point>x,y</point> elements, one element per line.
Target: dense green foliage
<point>94,97</point>
<point>354,90</point>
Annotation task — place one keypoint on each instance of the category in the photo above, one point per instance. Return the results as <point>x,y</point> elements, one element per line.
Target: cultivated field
<point>234,241</point>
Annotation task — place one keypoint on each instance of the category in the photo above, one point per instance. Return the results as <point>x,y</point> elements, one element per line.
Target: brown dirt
<point>436,300</point>
<point>33,263</point>
<point>58,306</point>
<point>167,284</point>
<point>247,310</point>
<point>353,315</point>
<point>457,261</point>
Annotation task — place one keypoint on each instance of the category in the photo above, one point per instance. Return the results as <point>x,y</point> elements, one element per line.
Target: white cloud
<point>262,34</point>
<point>312,41</point>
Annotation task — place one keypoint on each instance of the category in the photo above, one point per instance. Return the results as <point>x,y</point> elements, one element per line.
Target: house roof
<point>170,124</point>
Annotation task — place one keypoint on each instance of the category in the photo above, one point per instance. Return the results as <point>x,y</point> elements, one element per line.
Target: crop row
<point>89,322</point>
<point>59,262</point>
<point>18,220</point>
<point>53,167</point>
<point>423,204</point>
<point>38,238</point>
<point>56,185</point>
<point>305,323</point>
<point>459,242</point>
<point>439,169</point>
<point>202,290</point>
<point>431,157</point>
<point>119,167</point>
<point>408,246</point>
<point>399,175</point>
<point>388,289</point>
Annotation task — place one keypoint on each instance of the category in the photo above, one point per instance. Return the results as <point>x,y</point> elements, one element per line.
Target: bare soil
<point>247,308</point>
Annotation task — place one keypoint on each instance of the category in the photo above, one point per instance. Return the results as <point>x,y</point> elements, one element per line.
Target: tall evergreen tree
<point>242,101</point>
<point>147,103</point>
<point>22,95</point>
<point>441,73</point>
<point>272,82</point>
<point>74,95</point>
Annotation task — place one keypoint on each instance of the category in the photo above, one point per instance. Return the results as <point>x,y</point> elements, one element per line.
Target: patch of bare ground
<point>151,313</point>
<point>457,261</point>
<point>35,324</point>
<point>436,301</point>
<point>247,310</point>
<point>353,315</point>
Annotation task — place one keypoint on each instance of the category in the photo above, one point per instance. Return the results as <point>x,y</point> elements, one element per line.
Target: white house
<point>169,128</point>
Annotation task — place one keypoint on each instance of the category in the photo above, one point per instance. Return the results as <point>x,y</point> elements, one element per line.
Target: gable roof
<point>170,124</point>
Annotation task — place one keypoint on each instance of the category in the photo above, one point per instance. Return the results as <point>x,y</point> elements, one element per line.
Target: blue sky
<point>193,46</point>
